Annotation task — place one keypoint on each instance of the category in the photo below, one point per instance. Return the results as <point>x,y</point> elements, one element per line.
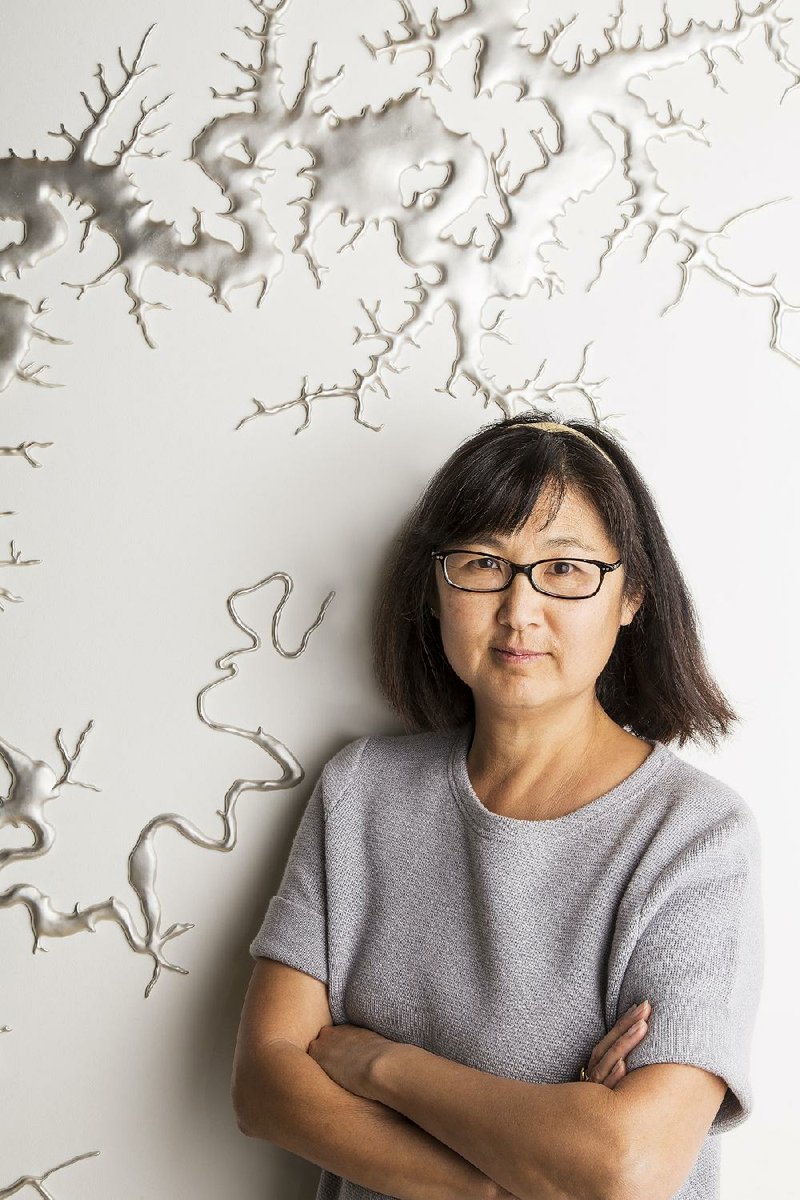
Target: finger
<point>618,1048</point>
<point>623,1024</point>
<point>604,1074</point>
<point>616,1075</point>
<point>623,1045</point>
<point>626,1022</point>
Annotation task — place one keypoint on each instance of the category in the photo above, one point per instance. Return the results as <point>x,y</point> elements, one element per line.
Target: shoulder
<point>703,826</point>
<point>695,799</point>
<point>408,751</point>
<point>338,772</point>
<point>386,758</point>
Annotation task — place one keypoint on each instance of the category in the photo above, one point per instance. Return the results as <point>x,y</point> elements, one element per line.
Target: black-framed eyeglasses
<point>471,571</point>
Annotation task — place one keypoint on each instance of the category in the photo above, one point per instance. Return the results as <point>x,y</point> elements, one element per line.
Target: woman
<point>486,897</point>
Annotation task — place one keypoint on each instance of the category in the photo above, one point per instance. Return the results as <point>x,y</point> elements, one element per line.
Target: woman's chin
<point>510,693</point>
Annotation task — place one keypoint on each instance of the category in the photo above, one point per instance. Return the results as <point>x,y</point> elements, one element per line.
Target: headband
<point>554,427</point>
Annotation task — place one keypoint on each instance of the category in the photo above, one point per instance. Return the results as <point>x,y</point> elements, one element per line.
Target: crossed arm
<point>548,1141</point>
<point>563,1141</point>
<point>442,1131</point>
<point>405,1122</point>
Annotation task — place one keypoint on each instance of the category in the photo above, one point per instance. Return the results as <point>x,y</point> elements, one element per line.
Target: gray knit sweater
<point>514,945</point>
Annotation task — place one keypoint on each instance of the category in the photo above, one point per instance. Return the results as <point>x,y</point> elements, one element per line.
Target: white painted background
<point>618,199</point>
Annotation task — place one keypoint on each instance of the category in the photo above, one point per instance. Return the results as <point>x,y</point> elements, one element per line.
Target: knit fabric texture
<point>514,945</point>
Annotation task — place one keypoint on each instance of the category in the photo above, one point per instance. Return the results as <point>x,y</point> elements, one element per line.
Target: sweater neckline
<point>496,825</point>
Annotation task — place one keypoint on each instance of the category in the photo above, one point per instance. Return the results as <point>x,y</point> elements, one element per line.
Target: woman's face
<point>575,637</point>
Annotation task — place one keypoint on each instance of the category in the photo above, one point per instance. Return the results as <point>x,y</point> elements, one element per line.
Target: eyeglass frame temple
<point>527,570</point>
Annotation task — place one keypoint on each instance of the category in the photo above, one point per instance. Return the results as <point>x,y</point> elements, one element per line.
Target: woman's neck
<point>539,770</point>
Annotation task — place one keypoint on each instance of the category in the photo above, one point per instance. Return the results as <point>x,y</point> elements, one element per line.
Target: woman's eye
<point>563,563</point>
<point>483,563</point>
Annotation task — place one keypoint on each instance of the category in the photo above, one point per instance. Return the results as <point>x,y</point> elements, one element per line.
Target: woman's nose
<point>521,603</point>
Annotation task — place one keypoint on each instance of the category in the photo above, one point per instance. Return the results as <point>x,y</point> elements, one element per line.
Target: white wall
<point>607,223</point>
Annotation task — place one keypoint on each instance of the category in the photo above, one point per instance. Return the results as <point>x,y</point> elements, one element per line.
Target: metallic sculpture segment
<point>36,1182</point>
<point>581,32</point>
<point>34,783</point>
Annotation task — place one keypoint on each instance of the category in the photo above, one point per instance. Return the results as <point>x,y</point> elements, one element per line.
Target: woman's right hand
<point>606,1064</point>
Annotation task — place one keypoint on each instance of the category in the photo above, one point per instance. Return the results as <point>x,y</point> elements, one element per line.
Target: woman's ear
<point>630,607</point>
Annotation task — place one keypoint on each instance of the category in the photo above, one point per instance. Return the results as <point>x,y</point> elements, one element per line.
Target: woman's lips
<point>512,656</point>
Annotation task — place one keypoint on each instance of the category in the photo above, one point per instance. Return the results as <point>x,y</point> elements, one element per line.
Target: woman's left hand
<point>347,1053</point>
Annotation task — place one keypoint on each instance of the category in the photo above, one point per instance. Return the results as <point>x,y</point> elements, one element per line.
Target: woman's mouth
<point>514,656</point>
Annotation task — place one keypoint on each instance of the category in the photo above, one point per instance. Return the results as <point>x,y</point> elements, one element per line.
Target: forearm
<point>539,1141</point>
<point>298,1107</point>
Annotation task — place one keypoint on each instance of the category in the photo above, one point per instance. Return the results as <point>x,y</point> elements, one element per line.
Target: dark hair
<point>656,681</point>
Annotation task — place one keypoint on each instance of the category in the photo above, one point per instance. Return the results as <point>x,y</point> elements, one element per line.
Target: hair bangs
<point>497,491</point>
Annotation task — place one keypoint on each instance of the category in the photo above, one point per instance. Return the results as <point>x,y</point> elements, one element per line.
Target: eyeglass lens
<point>559,577</point>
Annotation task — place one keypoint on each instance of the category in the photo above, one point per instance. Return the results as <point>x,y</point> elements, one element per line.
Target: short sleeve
<point>698,958</point>
<point>295,926</point>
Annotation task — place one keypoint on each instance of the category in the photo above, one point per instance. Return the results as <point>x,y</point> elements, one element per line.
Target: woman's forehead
<point>576,518</point>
